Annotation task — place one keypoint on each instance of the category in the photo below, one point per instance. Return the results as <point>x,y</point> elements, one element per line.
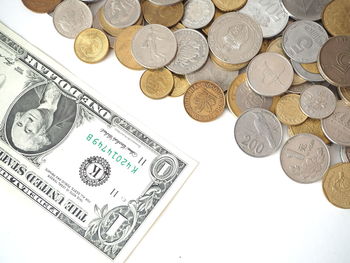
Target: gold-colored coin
<point>311,67</point>
<point>229,67</point>
<point>91,45</point>
<point>229,5</point>
<point>41,6</point>
<point>177,27</point>
<point>216,15</point>
<point>336,185</point>
<point>344,93</point>
<point>180,85</point>
<point>204,101</point>
<point>265,45</point>
<point>336,19</point>
<point>168,15</point>
<point>311,126</point>
<point>288,110</point>
<point>123,47</point>
<point>157,84</point>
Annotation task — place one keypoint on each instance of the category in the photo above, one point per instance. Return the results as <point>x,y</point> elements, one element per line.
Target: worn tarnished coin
<point>192,51</point>
<point>345,154</point>
<point>302,41</point>
<point>204,101</point>
<point>270,74</point>
<point>305,158</point>
<point>229,5</point>
<point>269,14</point>
<point>91,45</point>
<point>154,46</point>
<point>217,13</point>
<point>157,84</point>
<point>336,185</point>
<point>288,110</point>
<point>164,2</point>
<point>334,61</point>
<point>302,72</point>
<point>335,17</point>
<point>305,10</point>
<point>235,38</point>
<point>258,132</point>
<point>123,47</point>
<point>198,13</point>
<point>71,17</point>
<point>41,6</point>
<point>211,71</point>
<point>227,66</point>
<point>180,85</point>
<point>122,13</point>
<point>337,126</point>
<point>318,102</point>
<point>344,93</point>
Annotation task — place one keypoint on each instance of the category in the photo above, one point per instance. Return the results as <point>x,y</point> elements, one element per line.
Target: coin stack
<point>272,62</point>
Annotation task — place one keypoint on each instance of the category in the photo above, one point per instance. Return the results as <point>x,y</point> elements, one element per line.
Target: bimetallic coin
<point>335,17</point>
<point>180,85</point>
<point>164,2</point>
<point>270,74</point>
<point>41,6</point>
<point>302,41</point>
<point>192,52</point>
<point>310,67</point>
<point>305,158</point>
<point>344,93</point>
<point>156,84</point>
<point>229,5</point>
<point>305,10</point>
<point>269,14</point>
<point>71,17</point>
<point>318,102</point>
<point>154,46</point>
<point>235,38</point>
<point>345,154</point>
<point>337,126</point>
<point>309,76</point>
<point>288,110</point>
<point>258,132</point>
<point>204,101</point>
<point>198,13</point>
<point>122,13</point>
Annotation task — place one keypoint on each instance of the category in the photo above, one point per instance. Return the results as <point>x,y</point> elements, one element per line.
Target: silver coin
<point>345,154</point>
<point>305,9</point>
<point>71,17</point>
<point>269,14</point>
<point>96,23</point>
<point>111,40</point>
<point>270,74</point>
<point>122,13</point>
<point>309,76</point>
<point>96,6</point>
<point>305,158</point>
<point>164,2</point>
<point>198,13</point>
<point>298,89</point>
<point>235,38</point>
<point>336,127</point>
<point>192,52</point>
<point>154,46</point>
<point>317,102</point>
<point>91,1</point>
<point>212,72</point>
<point>302,41</point>
<point>258,132</point>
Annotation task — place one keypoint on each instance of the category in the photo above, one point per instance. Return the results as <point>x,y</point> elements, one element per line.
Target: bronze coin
<point>41,6</point>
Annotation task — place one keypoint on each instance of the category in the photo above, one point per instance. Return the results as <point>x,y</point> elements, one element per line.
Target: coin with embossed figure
<point>305,10</point>
<point>288,110</point>
<point>122,13</point>
<point>229,5</point>
<point>335,17</point>
<point>305,74</point>
<point>165,2</point>
<point>345,154</point>
<point>157,84</point>
<point>41,6</point>
<point>198,13</point>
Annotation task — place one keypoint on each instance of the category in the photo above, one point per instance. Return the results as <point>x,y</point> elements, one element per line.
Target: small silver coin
<point>122,13</point>
<point>154,46</point>
<point>336,127</point>
<point>317,102</point>
<point>345,154</point>
<point>212,72</point>
<point>305,158</point>
<point>198,13</point>
<point>164,2</point>
<point>309,76</point>
<point>270,15</point>
<point>270,74</point>
<point>305,10</point>
<point>192,52</point>
<point>258,132</point>
<point>71,17</point>
<point>302,41</point>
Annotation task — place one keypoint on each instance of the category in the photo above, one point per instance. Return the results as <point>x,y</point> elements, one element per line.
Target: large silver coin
<point>270,74</point>
<point>269,14</point>
<point>337,126</point>
<point>302,41</point>
<point>212,72</point>
<point>345,154</point>
<point>154,46</point>
<point>305,158</point>
<point>258,132</point>
<point>235,38</point>
<point>164,2</point>
<point>318,102</point>
<point>192,52</point>
<point>122,13</point>
<point>305,9</point>
<point>309,76</point>
<point>198,13</point>
<point>71,17</point>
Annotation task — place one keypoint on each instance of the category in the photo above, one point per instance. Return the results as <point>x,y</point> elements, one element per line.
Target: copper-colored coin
<point>344,93</point>
<point>168,15</point>
<point>230,67</point>
<point>157,84</point>
<point>41,6</point>
<point>218,13</point>
<point>229,5</point>
<point>204,101</point>
<point>91,45</point>
<point>311,67</point>
<point>336,185</point>
<point>288,110</point>
<point>180,85</point>
<point>336,19</point>
<point>123,47</point>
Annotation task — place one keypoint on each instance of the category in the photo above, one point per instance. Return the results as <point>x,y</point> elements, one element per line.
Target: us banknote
<point>88,164</point>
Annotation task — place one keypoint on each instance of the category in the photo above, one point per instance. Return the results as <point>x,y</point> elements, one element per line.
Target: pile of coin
<point>272,62</point>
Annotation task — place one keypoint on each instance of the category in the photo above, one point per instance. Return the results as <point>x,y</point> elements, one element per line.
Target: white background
<point>234,208</point>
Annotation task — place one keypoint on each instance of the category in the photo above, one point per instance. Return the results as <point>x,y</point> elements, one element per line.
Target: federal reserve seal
<point>95,171</point>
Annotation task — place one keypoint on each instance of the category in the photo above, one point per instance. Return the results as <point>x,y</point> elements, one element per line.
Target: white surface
<point>234,208</point>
